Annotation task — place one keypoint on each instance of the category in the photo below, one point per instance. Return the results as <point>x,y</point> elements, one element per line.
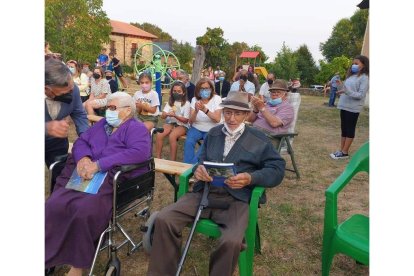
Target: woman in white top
<point>177,114</point>
<point>81,79</point>
<point>100,89</point>
<point>205,114</point>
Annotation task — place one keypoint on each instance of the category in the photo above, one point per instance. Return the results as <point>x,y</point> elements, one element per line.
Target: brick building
<point>126,39</point>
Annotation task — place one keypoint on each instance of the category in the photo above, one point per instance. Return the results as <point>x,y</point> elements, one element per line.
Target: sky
<point>265,23</point>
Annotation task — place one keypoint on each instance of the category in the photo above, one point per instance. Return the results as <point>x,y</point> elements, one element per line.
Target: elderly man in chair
<point>276,115</point>
<point>256,163</point>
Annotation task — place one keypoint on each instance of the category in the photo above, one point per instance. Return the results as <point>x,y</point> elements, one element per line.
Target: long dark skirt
<point>74,221</point>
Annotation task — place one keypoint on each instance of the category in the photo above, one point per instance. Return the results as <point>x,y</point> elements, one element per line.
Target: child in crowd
<point>177,113</point>
<point>118,70</point>
<point>147,102</point>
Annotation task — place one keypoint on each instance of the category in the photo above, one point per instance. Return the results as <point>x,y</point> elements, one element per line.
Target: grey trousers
<point>166,248</point>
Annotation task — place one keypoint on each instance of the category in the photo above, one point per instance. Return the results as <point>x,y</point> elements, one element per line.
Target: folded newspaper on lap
<point>219,171</point>
<point>87,186</point>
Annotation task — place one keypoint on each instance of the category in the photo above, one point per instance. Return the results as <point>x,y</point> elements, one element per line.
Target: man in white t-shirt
<point>264,93</point>
<point>243,84</point>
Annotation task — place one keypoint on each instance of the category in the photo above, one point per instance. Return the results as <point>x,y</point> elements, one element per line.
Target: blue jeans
<point>332,97</point>
<point>193,135</point>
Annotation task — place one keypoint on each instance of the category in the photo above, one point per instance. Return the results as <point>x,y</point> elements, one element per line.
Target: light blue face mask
<point>112,118</point>
<point>205,93</point>
<point>274,102</point>
<point>221,78</point>
<point>72,70</point>
<point>354,68</point>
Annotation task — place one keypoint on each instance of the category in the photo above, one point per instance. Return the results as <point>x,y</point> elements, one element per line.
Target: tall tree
<point>215,47</point>
<point>285,64</point>
<point>155,30</point>
<point>346,37</point>
<point>305,65</point>
<point>77,28</point>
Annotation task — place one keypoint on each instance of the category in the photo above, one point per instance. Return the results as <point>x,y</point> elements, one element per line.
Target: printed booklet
<point>87,186</point>
<point>219,171</point>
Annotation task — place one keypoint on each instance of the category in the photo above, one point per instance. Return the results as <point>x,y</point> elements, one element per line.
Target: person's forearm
<point>183,120</point>
<point>272,120</point>
<point>193,116</point>
<point>214,116</point>
<point>252,117</point>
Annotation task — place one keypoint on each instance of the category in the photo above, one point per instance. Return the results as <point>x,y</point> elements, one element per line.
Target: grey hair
<point>57,73</point>
<point>183,73</point>
<point>124,99</point>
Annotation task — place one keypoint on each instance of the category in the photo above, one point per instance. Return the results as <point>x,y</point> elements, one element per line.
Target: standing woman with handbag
<point>351,101</point>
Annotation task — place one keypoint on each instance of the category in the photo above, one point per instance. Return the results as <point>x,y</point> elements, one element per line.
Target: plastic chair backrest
<point>294,99</point>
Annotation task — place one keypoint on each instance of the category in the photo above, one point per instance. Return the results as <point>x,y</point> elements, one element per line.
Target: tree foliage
<point>285,64</point>
<point>346,37</point>
<point>305,65</point>
<point>339,64</point>
<point>77,28</point>
<point>155,30</point>
<point>215,46</point>
<point>184,53</point>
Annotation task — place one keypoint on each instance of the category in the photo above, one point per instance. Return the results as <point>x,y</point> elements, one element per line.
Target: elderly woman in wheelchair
<point>74,220</point>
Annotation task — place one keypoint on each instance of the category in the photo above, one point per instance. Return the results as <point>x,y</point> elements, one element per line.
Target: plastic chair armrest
<point>331,197</point>
<point>184,180</point>
<point>293,134</point>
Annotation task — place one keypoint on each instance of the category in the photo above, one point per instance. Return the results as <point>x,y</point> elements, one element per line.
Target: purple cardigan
<point>130,144</point>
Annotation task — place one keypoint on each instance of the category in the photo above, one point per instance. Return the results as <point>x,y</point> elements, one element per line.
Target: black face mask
<point>270,82</point>
<point>65,98</point>
<point>108,77</point>
<point>243,77</point>
<point>96,76</point>
<point>177,97</point>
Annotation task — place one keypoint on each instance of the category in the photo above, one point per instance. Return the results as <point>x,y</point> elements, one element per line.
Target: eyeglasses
<point>114,107</point>
<point>238,114</point>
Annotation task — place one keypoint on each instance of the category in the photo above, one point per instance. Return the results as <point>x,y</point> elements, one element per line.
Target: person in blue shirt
<point>334,88</point>
<point>103,59</point>
<point>62,100</point>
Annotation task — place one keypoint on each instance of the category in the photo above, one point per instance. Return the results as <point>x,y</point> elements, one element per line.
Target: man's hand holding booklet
<point>219,172</point>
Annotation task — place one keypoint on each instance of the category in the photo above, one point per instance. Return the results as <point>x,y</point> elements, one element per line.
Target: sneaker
<point>339,155</point>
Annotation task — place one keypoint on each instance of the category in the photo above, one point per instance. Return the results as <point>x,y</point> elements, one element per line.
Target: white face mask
<point>233,132</point>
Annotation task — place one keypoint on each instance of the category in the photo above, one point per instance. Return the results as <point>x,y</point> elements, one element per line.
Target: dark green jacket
<point>252,153</point>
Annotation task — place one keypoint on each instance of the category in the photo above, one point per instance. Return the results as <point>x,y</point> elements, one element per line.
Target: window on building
<point>112,48</point>
<point>134,47</point>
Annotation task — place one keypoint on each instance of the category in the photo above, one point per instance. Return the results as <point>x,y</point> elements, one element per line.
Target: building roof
<point>128,29</point>
<point>248,54</point>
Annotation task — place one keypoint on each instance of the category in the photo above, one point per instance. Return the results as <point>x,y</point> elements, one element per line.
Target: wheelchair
<point>128,195</point>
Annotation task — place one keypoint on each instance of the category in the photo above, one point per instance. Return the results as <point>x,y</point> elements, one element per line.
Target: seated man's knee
<point>231,242</point>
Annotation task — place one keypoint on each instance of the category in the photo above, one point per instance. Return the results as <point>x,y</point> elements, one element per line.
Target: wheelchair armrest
<point>130,167</point>
<point>61,158</point>
<point>156,130</point>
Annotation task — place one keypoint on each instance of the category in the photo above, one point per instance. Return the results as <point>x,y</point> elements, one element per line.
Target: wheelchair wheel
<point>147,237</point>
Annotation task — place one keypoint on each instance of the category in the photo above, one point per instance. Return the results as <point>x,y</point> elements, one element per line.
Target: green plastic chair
<point>351,237</point>
<point>211,229</point>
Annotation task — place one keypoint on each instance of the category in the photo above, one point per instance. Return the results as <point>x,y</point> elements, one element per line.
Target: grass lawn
<point>291,222</point>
